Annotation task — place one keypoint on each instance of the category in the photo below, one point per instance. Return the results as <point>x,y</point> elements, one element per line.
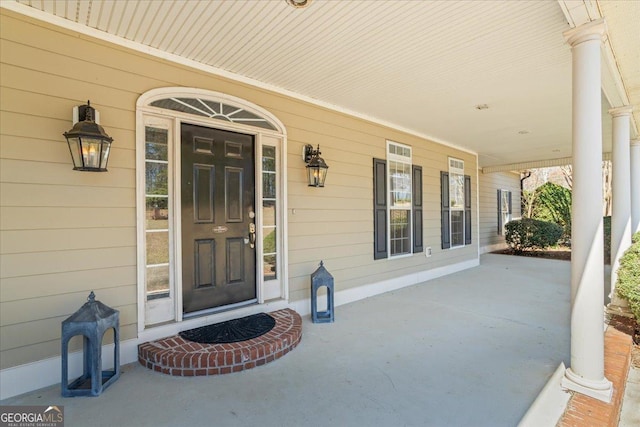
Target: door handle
<point>252,235</point>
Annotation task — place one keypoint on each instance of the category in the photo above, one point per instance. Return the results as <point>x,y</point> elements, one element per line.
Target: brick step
<point>179,357</point>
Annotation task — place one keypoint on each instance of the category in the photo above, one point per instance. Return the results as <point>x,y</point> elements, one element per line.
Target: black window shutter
<point>418,245</point>
<point>510,211</point>
<point>499,212</point>
<point>379,209</point>
<point>445,232</point>
<point>467,210</point>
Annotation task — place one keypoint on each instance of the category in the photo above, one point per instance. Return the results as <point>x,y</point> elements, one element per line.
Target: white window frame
<point>272,288</point>
<point>163,310</point>
<point>404,160</point>
<point>456,169</point>
<point>504,209</point>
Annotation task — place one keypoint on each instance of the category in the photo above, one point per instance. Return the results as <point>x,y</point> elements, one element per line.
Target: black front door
<point>218,218</point>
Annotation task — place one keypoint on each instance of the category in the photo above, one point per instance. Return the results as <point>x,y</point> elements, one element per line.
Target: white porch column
<point>621,192</point>
<point>586,373</point>
<point>635,186</point>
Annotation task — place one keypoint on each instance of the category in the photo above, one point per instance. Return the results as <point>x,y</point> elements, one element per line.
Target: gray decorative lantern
<point>316,166</point>
<point>91,321</point>
<point>320,278</point>
<point>88,143</point>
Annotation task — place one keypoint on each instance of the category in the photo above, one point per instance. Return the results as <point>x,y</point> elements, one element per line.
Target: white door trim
<point>277,138</point>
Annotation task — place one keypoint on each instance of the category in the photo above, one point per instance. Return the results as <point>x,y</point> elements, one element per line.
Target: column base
<point>601,390</point>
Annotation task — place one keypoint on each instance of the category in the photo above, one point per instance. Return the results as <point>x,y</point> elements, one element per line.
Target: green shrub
<point>553,204</point>
<point>526,233</point>
<point>628,284</point>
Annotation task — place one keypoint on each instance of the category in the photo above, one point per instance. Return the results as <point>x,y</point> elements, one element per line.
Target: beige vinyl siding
<point>490,183</point>
<point>65,233</point>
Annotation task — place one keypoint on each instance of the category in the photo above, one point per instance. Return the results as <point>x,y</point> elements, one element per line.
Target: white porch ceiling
<point>421,66</point>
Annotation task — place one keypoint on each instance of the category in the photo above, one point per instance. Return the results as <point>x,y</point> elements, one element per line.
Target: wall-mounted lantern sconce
<point>88,143</point>
<point>316,167</point>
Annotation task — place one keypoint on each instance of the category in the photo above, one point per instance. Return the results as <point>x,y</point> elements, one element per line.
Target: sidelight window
<point>269,213</point>
<point>157,211</point>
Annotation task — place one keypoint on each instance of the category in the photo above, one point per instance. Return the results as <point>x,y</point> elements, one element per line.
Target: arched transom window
<point>213,110</point>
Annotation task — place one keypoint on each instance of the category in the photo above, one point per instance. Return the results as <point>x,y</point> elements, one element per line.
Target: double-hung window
<point>456,205</point>
<point>504,210</point>
<point>397,203</point>
<point>456,196</point>
<point>399,176</point>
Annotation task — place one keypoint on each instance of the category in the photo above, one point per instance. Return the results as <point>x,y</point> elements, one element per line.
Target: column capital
<point>594,30</point>
<point>625,110</point>
<point>635,142</point>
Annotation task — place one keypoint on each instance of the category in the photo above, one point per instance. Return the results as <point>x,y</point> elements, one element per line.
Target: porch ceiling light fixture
<point>88,143</point>
<point>316,166</point>
<point>299,4</point>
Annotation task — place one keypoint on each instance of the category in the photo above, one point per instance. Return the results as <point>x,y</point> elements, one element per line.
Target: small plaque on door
<point>220,229</point>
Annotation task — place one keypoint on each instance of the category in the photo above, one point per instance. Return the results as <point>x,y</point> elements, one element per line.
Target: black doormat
<point>235,330</point>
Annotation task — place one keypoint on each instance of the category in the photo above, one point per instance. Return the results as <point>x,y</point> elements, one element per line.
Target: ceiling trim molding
<point>528,165</point>
<point>37,14</point>
<point>549,163</point>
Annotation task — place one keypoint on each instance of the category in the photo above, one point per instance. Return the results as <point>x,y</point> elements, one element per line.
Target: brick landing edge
<point>584,411</point>
<point>179,357</point>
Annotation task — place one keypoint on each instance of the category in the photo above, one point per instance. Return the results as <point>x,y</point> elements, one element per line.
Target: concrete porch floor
<point>470,349</point>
